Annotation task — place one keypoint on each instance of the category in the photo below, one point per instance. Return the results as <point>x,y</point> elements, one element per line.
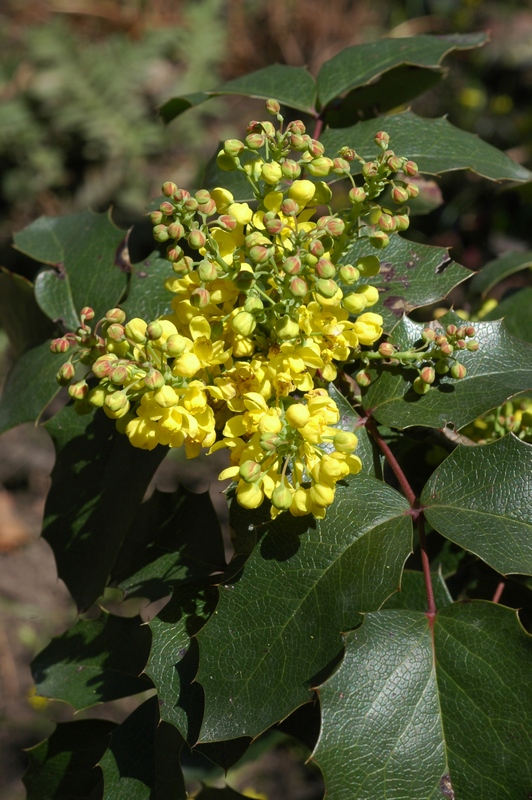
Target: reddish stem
<point>318,128</point>
<point>498,591</point>
<point>417,514</point>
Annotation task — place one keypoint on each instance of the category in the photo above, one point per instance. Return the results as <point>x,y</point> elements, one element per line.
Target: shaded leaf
<point>364,63</point>
<point>37,369</point>
<point>515,313</point>
<point>480,499</point>
<point>402,711</point>
<point>434,144</point>
<point>211,793</point>
<point>292,86</point>
<point>98,483</point>
<point>235,181</point>
<point>146,297</point>
<point>82,249</point>
<point>94,661</point>
<point>142,761</point>
<point>173,661</point>
<point>63,767</point>
<point>500,368</point>
<point>20,316</point>
<point>497,270</point>
<point>411,275</point>
<point>412,594</point>
<point>313,577</point>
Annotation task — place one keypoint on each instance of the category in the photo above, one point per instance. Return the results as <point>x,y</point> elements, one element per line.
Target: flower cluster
<point>264,312</point>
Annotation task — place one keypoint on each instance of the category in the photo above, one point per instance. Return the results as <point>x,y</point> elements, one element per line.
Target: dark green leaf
<point>235,182</point>
<point>480,499</point>
<point>515,312</point>
<point>82,249</point>
<point>416,716</point>
<point>30,387</point>
<point>95,661</point>
<point>434,144</point>
<point>292,86</point>
<point>412,594</point>
<point>147,298</point>
<point>173,663</point>
<point>313,577</point>
<point>412,275</point>
<point>364,63</point>
<point>174,538</point>
<point>500,368</point>
<point>142,761</point>
<point>497,270</point>
<point>98,484</point>
<point>20,316</point>
<point>63,767</point>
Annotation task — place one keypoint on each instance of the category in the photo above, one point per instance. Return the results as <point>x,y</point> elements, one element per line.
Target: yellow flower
<point>368,328</point>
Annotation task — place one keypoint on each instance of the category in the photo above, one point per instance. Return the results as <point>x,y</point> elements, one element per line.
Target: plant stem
<point>392,461</point>
<point>431,605</point>
<point>498,592</point>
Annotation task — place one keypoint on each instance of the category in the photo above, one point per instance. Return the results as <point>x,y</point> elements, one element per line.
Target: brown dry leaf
<point>13,530</point>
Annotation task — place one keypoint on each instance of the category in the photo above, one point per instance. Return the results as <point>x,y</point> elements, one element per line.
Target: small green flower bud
<point>244,280</point>
<point>310,260</point>
<point>363,378</point>
<point>441,367</point>
<point>290,207</point>
<point>428,334</point>
<point>420,387</point>
<point>169,189</point>
<point>410,168</point>
<point>196,239</point>
<point>207,271</point>
<point>379,240</point>
<point>255,141</point>
<point>202,196</point>
<point>174,254</point>
<point>166,208</point>
<point>286,328</point>
<point>273,225</point>
<point>154,331</point>
<point>320,167</point>
<point>200,298</point>
<point>160,233</point>
<point>441,339</point>
<point>460,344</point>
<point>59,345</point>
<point>87,313</point>
<point>402,222</point>
<point>335,227</point>
<point>253,304</point>
<point>296,126</point>
<point>427,375</point>
<point>451,330</point>
<point>325,269</point>
<point>354,303</point>
<point>297,142</point>
<point>458,371</point>
<point>154,379</point>
<point>175,345</point>
<point>119,374</point>
<point>116,332</point>
<point>272,106</point>
<point>345,442</point>
<point>183,266</point>
<point>103,365</point>
<point>399,195</point>
<point>298,287</point>
<point>227,222</point>
<point>394,163</point>
<point>382,139</point>
<point>271,173</point>
<point>370,169</point>
<point>387,223</point>
<point>208,208</point>
<point>348,274</point>
<point>327,288</point>
<point>357,195</point>
<point>78,390</point>
<point>290,169</point>
<point>176,230</point>
<point>470,330</point>
<point>233,147</point>
<point>317,249</point>
<point>259,254</point>
<point>65,374</point>
<point>269,442</point>
<point>412,189</point>
<point>250,471</point>
<point>387,350</point>
<point>115,315</point>
<point>156,217</point>
<point>181,195</point>
<point>348,153</point>
<point>316,148</point>
<point>473,346</point>
<point>243,323</point>
<point>369,266</point>
<point>225,162</point>
<point>341,166</point>
<point>282,497</point>
<point>292,265</point>
<point>446,349</point>
<point>116,401</point>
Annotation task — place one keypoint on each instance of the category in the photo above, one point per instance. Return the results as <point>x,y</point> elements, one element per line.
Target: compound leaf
<point>401,713</point>
<point>481,498</point>
<point>311,578</point>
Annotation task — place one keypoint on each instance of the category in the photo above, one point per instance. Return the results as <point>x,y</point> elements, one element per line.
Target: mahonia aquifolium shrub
<point>265,314</point>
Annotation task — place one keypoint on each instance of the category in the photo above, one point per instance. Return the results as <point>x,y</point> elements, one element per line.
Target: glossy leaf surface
<point>146,297</point>
<point>37,369</point>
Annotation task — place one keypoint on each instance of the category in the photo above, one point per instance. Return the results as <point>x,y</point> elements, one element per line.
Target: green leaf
<point>363,64</point>
<point>174,538</point>
<point>434,144</point>
<point>142,761</point>
<point>313,577</point>
<point>29,388</point>
<point>497,270</point>
<point>292,86</point>
<point>235,181</point>
<point>411,275</point>
<point>401,713</point>
<point>412,594</point>
<point>515,312</point>
<point>500,368</point>
<point>479,499</point>
<point>95,661</point>
<point>98,483</point>
<point>147,297</point>
<point>63,767</point>
<point>20,316</point>
<point>82,249</point>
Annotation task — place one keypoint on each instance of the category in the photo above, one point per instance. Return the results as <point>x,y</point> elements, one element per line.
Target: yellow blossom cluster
<point>264,311</point>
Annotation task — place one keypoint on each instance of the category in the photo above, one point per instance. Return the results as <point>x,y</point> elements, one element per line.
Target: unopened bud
<point>446,349</point>
<point>428,334</point>
<point>174,254</point>
<point>160,233</point>
<point>335,227</point>
<point>253,304</point>
<point>387,223</point>
<point>116,332</point>
<point>243,323</point>
<point>119,374</point>
<point>273,225</point>
<point>115,315</point>
<point>410,168</point>
<point>282,497</point>
<point>154,331</point>
<point>259,254</point>
<point>290,207</point>
<point>382,139</point>
<point>200,298</point>
<point>59,345</point>
<point>290,169</point>
<point>176,230</point>
<point>87,313</point>
<point>227,222</point>
<point>166,208</point>
<point>271,173</point>
<point>183,266</point>
<point>255,141</point>
<point>354,303</point>
<point>441,367</point>
<point>386,350</point>
<point>175,345</point>
<point>470,330</point>
<point>327,288</point>
<point>427,375</point>
<point>473,346</point>
<point>102,366</point>
<point>402,222</point>
<point>233,147</point>
<point>226,163</point>
<point>320,167</point>
<point>169,188</point>
<point>394,163</point>
<point>65,373</point>
<point>292,265</point>
<point>345,442</point>
<point>154,379</point>
<point>196,239</point>
<point>298,287</point>
<point>325,269</point>
<point>272,107</point>
<point>317,249</point>
<point>357,195</point>
<point>269,442</point>
<point>297,142</point>
<point>420,386</point>
<point>207,271</point>
<point>458,371</point>
<point>341,166</point>
<point>451,330</point>
<point>412,189</point>
<point>370,169</point>
<point>78,390</point>
<point>156,217</point>
<point>460,344</point>
<point>399,195</point>
<point>348,274</point>
<point>363,378</point>
<point>116,401</point>
<point>286,328</point>
<point>379,240</point>
<point>297,126</point>
<point>250,471</point>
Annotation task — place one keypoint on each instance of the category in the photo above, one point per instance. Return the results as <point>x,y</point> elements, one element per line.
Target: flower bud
<point>116,332</point>
<point>441,367</point>
<point>65,373</point>
<point>273,225</point>
<point>116,401</point>
<point>382,139</point>
<point>297,415</point>
<point>446,349</point>
<point>60,345</point>
<point>348,274</point>
<point>286,328</point>
<point>207,271</point>
<point>272,107</point>
<point>473,346</point>
<point>176,230</point>
<point>470,330</point>
<point>290,207</point>
<point>316,148</point>
<point>250,471</point>
<point>103,365</point>
<point>412,189</point>
<point>320,167</point>
<point>327,288</point>
<point>379,240</point>
<point>119,374</point>
<point>290,169</point>
<point>183,266</point>
<point>169,188</point>
<point>200,298</point>
<point>335,227</point>
<point>175,345</point>
<point>233,147</point>
<point>325,269</point>
<point>181,195</point>
<point>297,287</point>
<point>255,141</point>
<point>458,371</point>
<point>226,163</point>
<point>316,248</point>
<point>282,497</point>
<point>345,442</point>
<point>227,222</point>
<point>174,254</point>
<point>156,217</point>
<point>302,192</point>
<point>370,169</point>
<point>428,334</point>
<point>271,173</point>
<point>115,315</point>
<point>160,233</point>
<point>166,208</point>
<point>354,303</point>
<point>394,163</point>
<point>363,378</point>
<point>292,265</point>
<point>196,239</point>
<point>399,195</point>
<point>370,293</point>
<point>460,344</point>
<point>386,223</point>
<point>428,375</point>
<point>269,442</point>
<point>386,350</point>
<point>154,379</point>
<point>253,304</point>
<point>154,331</point>
<point>402,222</point>
<point>420,387</point>
<point>78,390</point>
<point>341,166</point>
<point>357,195</point>
<point>297,142</point>
<point>410,168</point>
<point>259,254</point>
<point>243,323</point>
